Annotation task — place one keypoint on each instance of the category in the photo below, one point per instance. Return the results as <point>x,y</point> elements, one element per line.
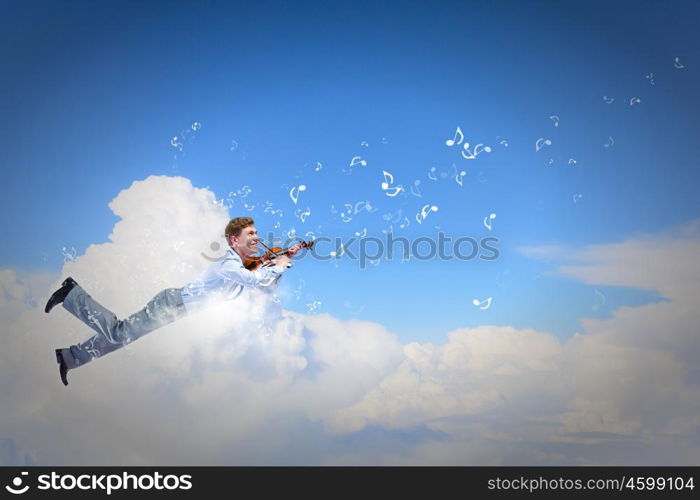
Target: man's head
<point>242,236</point>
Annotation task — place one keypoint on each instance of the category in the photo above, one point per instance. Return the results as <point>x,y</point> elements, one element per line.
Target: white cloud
<point>194,391</point>
<point>632,381</point>
<point>249,383</point>
<point>476,371</point>
<point>18,293</point>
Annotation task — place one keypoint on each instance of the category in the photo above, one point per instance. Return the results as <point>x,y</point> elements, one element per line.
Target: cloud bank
<point>247,382</point>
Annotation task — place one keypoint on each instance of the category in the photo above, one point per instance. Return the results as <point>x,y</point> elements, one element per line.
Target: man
<point>223,280</point>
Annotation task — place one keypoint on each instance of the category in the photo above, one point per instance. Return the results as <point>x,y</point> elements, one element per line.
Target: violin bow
<point>267,247</point>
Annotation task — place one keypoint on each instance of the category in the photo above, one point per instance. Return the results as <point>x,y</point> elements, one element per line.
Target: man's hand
<point>283,261</point>
<point>293,250</point>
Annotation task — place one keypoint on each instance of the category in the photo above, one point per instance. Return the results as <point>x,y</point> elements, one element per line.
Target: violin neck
<point>303,244</point>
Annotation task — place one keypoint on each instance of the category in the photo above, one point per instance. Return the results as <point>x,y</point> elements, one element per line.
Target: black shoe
<point>62,367</point>
<point>60,294</point>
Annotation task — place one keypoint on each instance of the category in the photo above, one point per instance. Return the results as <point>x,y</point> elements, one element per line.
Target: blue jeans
<point>113,333</point>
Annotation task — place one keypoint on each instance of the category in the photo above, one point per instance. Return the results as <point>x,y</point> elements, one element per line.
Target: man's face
<point>247,242</point>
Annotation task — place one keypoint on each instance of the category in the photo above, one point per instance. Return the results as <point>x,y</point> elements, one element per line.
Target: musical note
<point>388,230</point>
<point>677,63</point>
<point>599,299</point>
<point>572,161</point>
<point>277,225</point>
<point>405,223</point>
<point>196,126</point>
<point>472,156</point>
<point>174,142</point>
<point>485,304</point>
<point>364,205</point>
<point>458,178</point>
<point>361,234</point>
<point>302,215</point>
<point>502,142</point>
<point>369,208</point>
<point>489,218</point>
<point>69,255</point>
<point>358,161</point>
<point>499,278</point>
<point>486,149</point>
<point>577,197</point>
<point>608,100</point>
<point>339,253</point>
<point>650,77</point>
<point>610,143</point>
<point>635,100</point>
<point>450,173</point>
<point>345,215</point>
<point>294,192</point>
<point>269,209</point>
<point>424,212</point>
<point>555,119</point>
<point>365,144</point>
<point>395,217</point>
<point>250,208</point>
<point>313,306</point>
<point>234,145</point>
<point>319,166</point>
<point>389,179</point>
<point>453,141</point>
<point>542,142</point>
<point>431,174</point>
<point>415,191</point>
<point>243,192</point>
<point>384,141</point>
<point>551,161</point>
<point>469,155</point>
<point>297,292</point>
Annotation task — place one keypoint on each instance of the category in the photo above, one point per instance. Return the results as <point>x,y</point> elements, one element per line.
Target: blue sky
<point>94,94</point>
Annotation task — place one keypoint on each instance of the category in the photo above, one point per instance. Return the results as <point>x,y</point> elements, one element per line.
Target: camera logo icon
<point>17,482</point>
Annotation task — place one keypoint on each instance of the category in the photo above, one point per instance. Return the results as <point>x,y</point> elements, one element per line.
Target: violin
<point>268,258</point>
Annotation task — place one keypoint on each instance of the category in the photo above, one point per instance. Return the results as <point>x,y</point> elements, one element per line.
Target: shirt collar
<point>233,254</point>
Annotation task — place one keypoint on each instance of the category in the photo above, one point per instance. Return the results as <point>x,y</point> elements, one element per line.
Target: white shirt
<point>225,279</point>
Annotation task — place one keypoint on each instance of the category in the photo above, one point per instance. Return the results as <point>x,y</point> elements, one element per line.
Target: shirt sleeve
<point>261,278</point>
